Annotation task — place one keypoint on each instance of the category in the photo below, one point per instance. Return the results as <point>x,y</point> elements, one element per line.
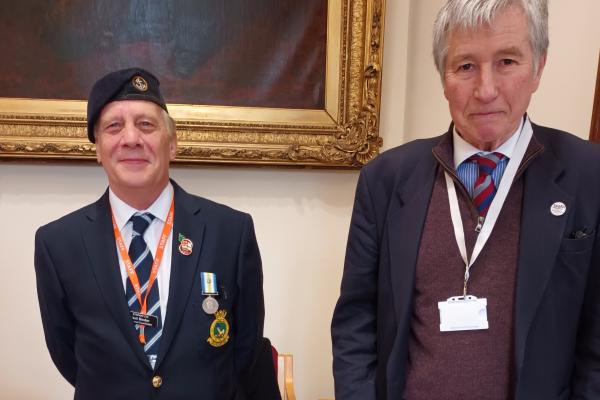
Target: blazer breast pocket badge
<point>219,330</point>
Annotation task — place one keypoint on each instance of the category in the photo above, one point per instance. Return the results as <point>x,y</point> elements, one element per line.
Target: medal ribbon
<point>166,231</point>
<point>209,283</point>
<point>494,210</point>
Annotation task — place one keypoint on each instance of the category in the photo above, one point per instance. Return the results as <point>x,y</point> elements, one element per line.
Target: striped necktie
<point>484,189</point>
<point>141,257</point>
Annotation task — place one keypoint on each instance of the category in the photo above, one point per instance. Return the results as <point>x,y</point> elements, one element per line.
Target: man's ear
<point>98,158</point>
<point>540,69</point>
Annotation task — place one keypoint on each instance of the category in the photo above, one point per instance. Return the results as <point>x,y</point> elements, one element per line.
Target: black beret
<point>125,84</point>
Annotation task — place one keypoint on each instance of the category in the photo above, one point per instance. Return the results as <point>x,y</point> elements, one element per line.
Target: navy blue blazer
<point>557,316</point>
<point>86,321</point>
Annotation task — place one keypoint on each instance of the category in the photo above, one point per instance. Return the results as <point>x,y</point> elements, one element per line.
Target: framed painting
<point>595,126</point>
<point>267,82</point>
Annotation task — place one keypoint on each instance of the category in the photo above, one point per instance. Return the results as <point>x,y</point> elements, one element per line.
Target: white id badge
<point>463,314</point>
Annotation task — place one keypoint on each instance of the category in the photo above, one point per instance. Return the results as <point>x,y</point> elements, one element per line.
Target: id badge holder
<point>460,313</point>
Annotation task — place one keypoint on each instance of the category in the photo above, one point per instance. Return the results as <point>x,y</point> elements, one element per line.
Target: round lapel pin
<point>558,208</point>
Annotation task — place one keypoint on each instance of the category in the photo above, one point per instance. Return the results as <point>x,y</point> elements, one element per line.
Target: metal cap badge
<point>139,83</point>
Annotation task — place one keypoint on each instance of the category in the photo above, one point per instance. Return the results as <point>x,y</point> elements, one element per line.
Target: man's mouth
<point>484,114</point>
<point>133,161</point>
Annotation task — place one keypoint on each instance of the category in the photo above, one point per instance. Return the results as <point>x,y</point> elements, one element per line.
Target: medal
<point>219,330</point>
<point>210,305</point>
<point>185,245</point>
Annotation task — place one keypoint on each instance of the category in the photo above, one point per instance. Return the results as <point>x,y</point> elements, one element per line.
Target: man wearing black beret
<point>150,292</point>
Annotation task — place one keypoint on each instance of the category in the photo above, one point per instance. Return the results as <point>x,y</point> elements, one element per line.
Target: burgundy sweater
<point>467,364</point>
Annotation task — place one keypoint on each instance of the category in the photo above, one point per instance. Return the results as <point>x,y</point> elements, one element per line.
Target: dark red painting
<point>260,53</point>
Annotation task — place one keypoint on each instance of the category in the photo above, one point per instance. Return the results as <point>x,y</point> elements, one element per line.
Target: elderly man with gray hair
<point>472,268</point>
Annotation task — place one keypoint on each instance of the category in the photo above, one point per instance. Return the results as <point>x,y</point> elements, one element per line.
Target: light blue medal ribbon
<point>209,283</point>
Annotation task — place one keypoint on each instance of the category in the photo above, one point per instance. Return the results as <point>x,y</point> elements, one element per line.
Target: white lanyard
<point>495,207</point>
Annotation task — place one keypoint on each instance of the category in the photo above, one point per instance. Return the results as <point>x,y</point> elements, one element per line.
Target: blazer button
<point>156,381</point>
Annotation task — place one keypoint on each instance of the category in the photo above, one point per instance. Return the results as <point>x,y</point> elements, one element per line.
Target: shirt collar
<point>123,211</point>
<point>463,149</point>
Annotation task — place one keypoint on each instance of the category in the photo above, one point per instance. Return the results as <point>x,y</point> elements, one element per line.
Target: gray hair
<point>469,14</point>
<point>170,123</point>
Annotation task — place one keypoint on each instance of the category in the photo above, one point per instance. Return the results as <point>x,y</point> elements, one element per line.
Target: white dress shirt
<point>160,208</point>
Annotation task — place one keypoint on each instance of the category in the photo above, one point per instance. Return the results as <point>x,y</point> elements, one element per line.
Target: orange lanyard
<point>133,278</point>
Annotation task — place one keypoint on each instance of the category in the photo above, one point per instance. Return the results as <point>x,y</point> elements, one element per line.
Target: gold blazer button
<point>156,381</point>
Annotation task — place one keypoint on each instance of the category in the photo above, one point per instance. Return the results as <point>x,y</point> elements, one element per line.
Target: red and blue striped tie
<point>484,189</point>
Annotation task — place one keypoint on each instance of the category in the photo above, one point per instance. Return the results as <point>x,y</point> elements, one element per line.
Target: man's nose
<point>131,135</point>
<point>486,89</point>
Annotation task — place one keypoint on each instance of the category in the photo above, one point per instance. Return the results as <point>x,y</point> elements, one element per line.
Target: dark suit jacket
<point>557,316</point>
<point>89,332</point>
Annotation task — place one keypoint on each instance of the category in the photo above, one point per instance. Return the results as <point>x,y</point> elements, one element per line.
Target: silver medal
<point>210,305</point>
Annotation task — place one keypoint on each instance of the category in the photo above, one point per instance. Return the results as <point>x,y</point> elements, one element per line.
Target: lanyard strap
<point>494,210</point>
<point>131,272</point>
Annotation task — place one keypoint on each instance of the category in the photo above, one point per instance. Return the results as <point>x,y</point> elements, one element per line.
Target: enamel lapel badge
<point>185,245</point>
<point>219,330</point>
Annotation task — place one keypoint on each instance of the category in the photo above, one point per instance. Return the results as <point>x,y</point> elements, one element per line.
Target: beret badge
<point>139,83</point>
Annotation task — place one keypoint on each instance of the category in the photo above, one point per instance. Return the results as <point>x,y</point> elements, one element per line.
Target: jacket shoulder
<point>568,148</point>
<point>61,226</point>
<point>397,163</point>
<point>210,208</point>
<point>218,208</point>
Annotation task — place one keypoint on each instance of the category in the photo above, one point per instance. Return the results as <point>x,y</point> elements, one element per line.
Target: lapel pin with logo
<point>210,305</point>
<point>185,245</point>
<point>219,330</point>
<point>558,208</point>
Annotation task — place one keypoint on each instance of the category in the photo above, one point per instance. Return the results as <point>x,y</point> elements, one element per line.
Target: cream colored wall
<point>301,216</point>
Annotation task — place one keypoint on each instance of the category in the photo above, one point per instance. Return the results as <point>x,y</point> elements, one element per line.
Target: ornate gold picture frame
<point>344,133</point>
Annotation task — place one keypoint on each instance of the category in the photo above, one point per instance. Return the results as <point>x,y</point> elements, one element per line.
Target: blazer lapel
<point>99,241</point>
<point>183,268</point>
<point>405,225</point>
<point>540,237</point>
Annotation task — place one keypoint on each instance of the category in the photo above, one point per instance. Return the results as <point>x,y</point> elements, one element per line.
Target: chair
<point>285,375</point>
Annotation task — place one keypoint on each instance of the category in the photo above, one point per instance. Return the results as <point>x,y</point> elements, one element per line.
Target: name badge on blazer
<point>144,319</point>
<point>463,314</point>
